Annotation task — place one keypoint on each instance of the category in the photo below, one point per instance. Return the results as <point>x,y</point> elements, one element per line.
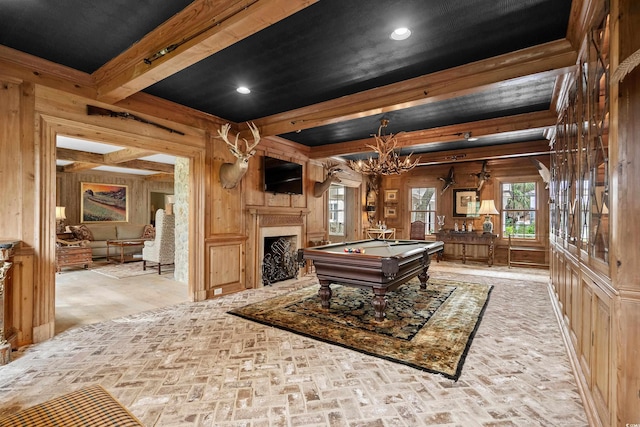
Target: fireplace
<point>267,223</point>
<point>279,261</point>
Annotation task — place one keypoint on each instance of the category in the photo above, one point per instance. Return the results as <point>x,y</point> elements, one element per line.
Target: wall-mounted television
<point>281,176</point>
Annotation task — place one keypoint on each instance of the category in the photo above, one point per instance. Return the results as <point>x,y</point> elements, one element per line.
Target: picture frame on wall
<point>103,202</point>
<point>466,202</point>
<point>391,196</point>
<point>390,212</point>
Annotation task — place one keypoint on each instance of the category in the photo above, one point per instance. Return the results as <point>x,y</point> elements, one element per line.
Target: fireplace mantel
<point>270,222</point>
<point>268,210</point>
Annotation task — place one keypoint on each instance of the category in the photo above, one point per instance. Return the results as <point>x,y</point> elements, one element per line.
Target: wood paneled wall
<point>139,189</point>
<point>598,303</point>
<point>509,170</point>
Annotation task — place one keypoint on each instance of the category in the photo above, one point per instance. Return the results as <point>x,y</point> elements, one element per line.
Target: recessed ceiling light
<point>400,34</point>
<point>243,90</point>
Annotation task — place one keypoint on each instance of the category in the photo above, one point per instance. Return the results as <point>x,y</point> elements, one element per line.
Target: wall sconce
<point>168,204</point>
<point>488,208</point>
<point>61,215</point>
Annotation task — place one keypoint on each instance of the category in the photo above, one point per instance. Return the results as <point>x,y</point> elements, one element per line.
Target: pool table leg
<point>325,293</point>
<point>379,303</point>
<point>424,274</point>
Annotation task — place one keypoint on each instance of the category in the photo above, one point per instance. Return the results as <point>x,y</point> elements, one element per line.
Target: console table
<point>381,233</point>
<point>466,238</point>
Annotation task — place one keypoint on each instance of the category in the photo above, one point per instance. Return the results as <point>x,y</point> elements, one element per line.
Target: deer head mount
<point>320,187</point>
<point>232,173</point>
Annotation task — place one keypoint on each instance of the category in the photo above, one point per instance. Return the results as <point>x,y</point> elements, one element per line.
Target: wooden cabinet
<point>73,255</point>
<point>586,304</point>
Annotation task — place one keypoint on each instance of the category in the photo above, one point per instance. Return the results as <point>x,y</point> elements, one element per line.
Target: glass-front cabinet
<point>579,189</point>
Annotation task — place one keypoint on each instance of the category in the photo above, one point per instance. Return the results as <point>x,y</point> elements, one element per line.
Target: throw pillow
<point>81,232</point>
<point>149,232</point>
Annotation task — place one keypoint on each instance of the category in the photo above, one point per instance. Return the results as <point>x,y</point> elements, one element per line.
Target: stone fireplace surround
<point>274,223</point>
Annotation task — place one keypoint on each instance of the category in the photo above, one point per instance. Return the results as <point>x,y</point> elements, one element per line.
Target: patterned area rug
<point>120,271</point>
<point>430,330</point>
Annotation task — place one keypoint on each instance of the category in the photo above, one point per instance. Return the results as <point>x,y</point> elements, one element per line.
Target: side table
<point>73,255</point>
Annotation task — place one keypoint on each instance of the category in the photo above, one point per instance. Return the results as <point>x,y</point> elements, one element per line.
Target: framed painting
<point>466,202</point>
<point>390,196</point>
<point>103,202</point>
<point>390,212</point>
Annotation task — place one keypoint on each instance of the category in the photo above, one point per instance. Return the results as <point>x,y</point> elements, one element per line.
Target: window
<point>423,207</point>
<point>519,210</point>
<point>336,210</point>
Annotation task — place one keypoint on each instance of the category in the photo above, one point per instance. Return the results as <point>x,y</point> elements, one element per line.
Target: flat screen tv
<point>281,176</point>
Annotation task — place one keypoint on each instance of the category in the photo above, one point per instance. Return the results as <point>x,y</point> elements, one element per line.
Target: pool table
<point>380,265</point>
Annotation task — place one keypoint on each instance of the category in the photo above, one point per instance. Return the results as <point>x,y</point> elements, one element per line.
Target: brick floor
<point>194,365</point>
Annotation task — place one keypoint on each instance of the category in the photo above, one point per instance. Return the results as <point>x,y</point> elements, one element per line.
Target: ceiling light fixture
<point>402,33</point>
<point>388,161</point>
<point>468,137</point>
<point>243,90</point>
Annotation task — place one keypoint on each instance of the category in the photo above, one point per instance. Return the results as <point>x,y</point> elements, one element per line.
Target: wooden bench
<point>513,249</point>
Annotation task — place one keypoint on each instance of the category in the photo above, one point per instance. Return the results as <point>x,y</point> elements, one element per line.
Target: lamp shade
<point>61,212</point>
<point>488,207</point>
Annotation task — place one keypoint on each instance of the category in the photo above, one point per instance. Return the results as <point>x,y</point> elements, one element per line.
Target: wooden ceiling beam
<point>84,160</point>
<point>549,59</point>
<point>537,120</point>
<point>79,166</point>
<point>127,154</point>
<point>519,149</point>
<point>200,30</point>
<point>145,165</point>
<point>159,177</point>
<point>78,156</point>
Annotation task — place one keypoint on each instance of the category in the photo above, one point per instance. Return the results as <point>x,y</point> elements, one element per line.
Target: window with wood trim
<point>337,210</point>
<point>519,209</point>
<point>423,207</point>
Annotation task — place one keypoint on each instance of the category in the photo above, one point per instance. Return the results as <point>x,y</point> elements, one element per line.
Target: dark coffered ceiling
<point>324,76</point>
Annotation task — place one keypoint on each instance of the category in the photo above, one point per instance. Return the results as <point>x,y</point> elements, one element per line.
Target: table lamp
<point>61,215</point>
<point>488,208</point>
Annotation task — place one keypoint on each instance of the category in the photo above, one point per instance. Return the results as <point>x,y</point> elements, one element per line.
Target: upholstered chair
<point>417,230</point>
<point>161,250</point>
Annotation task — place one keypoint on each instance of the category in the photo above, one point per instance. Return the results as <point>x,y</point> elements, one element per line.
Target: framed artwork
<point>103,202</point>
<point>466,202</point>
<point>391,196</point>
<point>390,212</point>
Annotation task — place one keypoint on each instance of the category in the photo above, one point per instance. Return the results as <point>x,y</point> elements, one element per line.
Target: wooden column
<point>625,227</point>
<point>22,193</point>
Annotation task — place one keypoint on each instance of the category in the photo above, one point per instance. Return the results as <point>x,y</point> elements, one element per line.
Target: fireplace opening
<point>279,262</point>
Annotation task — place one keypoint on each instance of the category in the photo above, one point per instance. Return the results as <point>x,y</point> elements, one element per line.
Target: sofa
<point>97,235</point>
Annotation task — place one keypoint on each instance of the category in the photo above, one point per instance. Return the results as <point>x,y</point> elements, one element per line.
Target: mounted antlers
<point>232,173</point>
<point>320,187</point>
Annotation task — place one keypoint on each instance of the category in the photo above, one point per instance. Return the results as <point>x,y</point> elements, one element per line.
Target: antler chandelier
<point>388,161</point>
